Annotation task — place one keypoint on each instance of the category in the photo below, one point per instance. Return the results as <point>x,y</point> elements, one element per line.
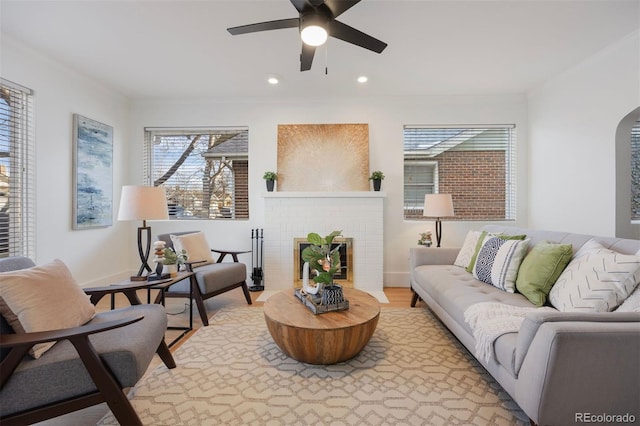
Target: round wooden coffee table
<point>326,338</point>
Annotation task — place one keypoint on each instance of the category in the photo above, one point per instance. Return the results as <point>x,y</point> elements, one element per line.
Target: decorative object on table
<point>172,260</point>
<point>438,206</point>
<point>270,178</point>
<point>92,173</point>
<point>425,239</point>
<point>158,257</point>
<point>143,203</point>
<point>324,262</point>
<point>377,177</point>
<point>257,275</point>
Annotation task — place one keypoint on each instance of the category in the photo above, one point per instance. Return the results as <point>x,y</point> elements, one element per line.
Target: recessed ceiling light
<point>362,79</point>
<point>273,79</point>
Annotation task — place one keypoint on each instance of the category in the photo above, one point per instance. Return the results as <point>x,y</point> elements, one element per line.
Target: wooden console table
<point>326,338</point>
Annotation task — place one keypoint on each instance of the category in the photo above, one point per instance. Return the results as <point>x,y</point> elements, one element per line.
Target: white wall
<point>385,116</point>
<point>96,255</point>
<point>573,120</point>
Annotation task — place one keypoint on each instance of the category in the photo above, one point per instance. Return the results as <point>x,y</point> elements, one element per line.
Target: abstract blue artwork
<point>93,173</point>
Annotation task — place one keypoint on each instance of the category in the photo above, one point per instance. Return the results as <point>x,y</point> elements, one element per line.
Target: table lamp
<point>438,205</point>
<point>143,203</point>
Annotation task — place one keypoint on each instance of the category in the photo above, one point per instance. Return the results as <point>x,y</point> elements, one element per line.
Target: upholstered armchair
<point>213,276</point>
<point>90,363</point>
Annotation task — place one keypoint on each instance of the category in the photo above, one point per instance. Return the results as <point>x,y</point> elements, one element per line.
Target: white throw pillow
<point>596,280</point>
<point>43,298</point>
<point>195,245</point>
<point>631,303</point>
<point>468,249</point>
<point>498,262</point>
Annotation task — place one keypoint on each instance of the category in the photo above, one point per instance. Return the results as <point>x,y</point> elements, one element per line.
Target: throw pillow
<point>43,298</point>
<point>196,246</point>
<point>631,303</point>
<point>480,242</point>
<point>541,268</point>
<point>468,249</point>
<point>498,261</point>
<point>596,280</point>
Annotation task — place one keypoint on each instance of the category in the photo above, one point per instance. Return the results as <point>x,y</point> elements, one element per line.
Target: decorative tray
<point>313,303</point>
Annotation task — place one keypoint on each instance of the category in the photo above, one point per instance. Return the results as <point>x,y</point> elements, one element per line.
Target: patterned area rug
<point>412,372</point>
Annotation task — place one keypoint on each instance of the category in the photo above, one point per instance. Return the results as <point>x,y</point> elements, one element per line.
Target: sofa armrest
<point>432,256</point>
<point>581,366</point>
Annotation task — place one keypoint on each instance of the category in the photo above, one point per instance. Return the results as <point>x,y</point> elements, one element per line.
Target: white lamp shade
<point>438,205</point>
<point>143,203</point>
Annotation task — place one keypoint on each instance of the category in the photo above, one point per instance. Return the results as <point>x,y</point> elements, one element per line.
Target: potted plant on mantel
<point>270,177</point>
<point>376,177</point>
<point>325,262</point>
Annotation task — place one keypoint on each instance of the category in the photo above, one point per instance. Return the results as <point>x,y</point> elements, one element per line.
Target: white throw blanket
<point>490,320</point>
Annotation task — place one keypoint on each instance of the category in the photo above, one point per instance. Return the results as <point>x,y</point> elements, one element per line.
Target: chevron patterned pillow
<point>596,280</point>
<point>498,262</point>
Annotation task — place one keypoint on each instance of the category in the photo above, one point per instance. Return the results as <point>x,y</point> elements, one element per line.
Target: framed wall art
<point>92,173</point>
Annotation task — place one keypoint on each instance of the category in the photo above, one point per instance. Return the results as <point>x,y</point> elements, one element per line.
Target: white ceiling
<point>180,48</point>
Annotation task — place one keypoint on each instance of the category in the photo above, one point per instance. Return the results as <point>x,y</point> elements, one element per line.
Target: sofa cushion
<point>196,246</point>
<point>596,280</point>
<point>541,268</point>
<point>480,242</point>
<point>30,300</point>
<point>214,277</point>
<point>498,261</point>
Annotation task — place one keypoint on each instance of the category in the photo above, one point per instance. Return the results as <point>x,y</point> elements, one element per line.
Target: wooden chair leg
<point>165,355</point>
<point>202,310</point>
<point>107,385</point>
<point>414,299</point>
<point>245,290</point>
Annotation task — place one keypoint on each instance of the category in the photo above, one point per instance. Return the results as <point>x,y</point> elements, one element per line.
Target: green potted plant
<point>324,260</point>
<point>376,177</point>
<point>172,260</point>
<point>270,177</point>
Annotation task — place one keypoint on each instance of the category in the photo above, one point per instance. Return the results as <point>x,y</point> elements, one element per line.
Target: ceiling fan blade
<point>300,5</point>
<point>338,7</point>
<point>306,57</point>
<point>265,26</point>
<point>349,34</point>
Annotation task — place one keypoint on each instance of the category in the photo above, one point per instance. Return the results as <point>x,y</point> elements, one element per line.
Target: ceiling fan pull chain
<point>326,59</point>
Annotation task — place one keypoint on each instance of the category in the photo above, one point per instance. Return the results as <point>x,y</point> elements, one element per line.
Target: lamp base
<point>138,278</point>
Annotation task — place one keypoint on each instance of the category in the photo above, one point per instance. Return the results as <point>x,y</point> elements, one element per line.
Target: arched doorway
<point>625,228</point>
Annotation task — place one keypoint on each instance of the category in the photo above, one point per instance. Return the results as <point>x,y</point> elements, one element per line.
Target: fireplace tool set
<point>257,275</point>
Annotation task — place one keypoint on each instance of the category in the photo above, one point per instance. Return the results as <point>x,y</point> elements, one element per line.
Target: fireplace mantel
<point>290,215</point>
<point>319,194</point>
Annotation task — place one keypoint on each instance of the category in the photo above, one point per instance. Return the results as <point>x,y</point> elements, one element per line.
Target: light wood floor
<point>177,309</point>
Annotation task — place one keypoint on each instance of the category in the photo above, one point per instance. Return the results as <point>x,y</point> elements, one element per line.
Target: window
<point>476,164</point>
<point>17,166</point>
<point>205,171</point>
<point>635,172</point>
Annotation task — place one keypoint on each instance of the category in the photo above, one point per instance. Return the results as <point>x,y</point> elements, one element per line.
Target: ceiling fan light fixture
<point>314,35</point>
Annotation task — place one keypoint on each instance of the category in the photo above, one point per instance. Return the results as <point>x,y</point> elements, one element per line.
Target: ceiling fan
<point>317,21</point>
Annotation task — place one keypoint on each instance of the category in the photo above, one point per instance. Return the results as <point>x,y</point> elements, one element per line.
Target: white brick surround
<point>290,215</point>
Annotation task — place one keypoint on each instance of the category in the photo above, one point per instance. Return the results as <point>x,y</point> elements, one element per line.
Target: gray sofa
<point>559,366</point>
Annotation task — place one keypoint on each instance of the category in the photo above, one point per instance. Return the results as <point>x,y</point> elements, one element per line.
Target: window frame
<point>233,214</point>
<point>20,149</point>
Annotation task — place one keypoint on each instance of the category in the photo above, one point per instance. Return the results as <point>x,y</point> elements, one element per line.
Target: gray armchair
<point>88,365</point>
<point>212,279</point>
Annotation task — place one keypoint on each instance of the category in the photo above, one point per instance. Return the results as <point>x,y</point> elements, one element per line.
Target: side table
<point>129,289</point>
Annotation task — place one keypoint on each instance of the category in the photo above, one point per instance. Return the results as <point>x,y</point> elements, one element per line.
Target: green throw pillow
<point>541,268</point>
<point>480,243</point>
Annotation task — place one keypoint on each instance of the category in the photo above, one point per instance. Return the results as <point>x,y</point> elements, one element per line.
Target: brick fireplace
<point>292,215</point>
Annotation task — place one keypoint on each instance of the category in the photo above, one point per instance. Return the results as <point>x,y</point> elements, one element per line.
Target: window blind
<point>635,172</point>
<point>17,171</point>
<point>204,170</point>
<point>476,164</point>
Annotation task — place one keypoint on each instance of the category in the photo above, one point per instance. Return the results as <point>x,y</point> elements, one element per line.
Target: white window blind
<point>635,172</point>
<point>476,164</point>
<point>205,171</point>
<point>17,171</point>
